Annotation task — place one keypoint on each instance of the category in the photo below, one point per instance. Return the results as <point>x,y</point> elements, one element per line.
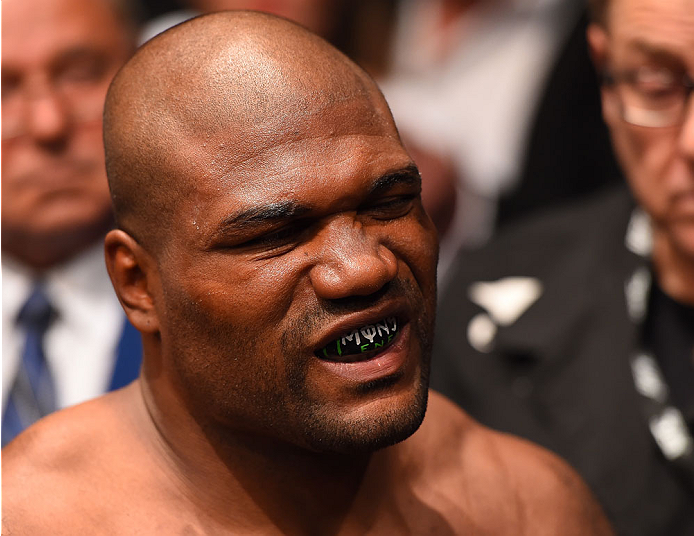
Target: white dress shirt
<point>80,345</point>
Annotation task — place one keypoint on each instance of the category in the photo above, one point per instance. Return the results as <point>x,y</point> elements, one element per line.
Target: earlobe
<point>132,273</point>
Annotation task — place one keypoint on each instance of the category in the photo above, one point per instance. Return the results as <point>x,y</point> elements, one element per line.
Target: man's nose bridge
<point>346,238</point>
<point>352,251</point>
<point>350,260</point>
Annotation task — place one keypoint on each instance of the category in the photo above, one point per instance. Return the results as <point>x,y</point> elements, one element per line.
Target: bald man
<point>273,253</point>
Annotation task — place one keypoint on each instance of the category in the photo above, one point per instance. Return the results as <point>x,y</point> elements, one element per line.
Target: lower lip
<point>384,364</point>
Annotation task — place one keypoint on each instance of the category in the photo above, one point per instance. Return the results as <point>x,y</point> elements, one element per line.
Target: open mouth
<point>362,343</point>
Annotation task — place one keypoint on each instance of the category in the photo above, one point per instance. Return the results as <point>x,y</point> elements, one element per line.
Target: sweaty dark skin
<point>266,208</point>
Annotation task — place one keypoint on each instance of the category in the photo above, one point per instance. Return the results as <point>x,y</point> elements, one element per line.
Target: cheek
<point>248,295</point>
<point>646,158</point>
<point>416,244</point>
<point>424,244</point>
<point>221,342</point>
<point>683,236</point>
<point>211,326</point>
<point>87,143</point>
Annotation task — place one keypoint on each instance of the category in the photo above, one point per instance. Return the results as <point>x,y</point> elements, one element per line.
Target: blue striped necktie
<point>33,392</point>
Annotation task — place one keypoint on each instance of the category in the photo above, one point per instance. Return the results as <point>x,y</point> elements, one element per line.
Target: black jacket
<point>560,374</point>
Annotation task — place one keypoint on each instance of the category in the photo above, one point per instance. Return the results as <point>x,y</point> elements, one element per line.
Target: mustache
<point>352,304</point>
<point>327,311</point>
<point>304,328</point>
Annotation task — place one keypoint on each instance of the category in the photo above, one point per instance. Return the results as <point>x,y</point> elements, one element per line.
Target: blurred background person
<point>575,329</point>
<point>64,335</point>
<point>504,90</point>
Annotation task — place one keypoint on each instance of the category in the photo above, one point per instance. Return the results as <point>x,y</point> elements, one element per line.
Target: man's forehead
<point>278,143</point>
<point>322,174</point>
<point>654,24</point>
<point>271,102</point>
<point>289,203</point>
<point>234,101</point>
<point>41,29</point>
<point>330,159</point>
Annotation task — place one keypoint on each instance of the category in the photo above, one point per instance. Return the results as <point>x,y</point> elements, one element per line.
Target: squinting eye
<point>281,239</point>
<point>391,208</point>
<point>649,75</point>
<point>90,70</point>
<point>656,83</point>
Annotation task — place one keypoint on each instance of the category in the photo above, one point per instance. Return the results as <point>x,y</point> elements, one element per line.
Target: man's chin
<point>375,425</point>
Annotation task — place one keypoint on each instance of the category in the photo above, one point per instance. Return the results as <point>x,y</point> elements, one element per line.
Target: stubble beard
<point>276,401</point>
<point>324,427</point>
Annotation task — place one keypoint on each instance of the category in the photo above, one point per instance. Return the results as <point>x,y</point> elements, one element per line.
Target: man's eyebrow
<point>80,53</point>
<point>260,215</point>
<point>263,214</point>
<point>656,51</point>
<point>407,175</point>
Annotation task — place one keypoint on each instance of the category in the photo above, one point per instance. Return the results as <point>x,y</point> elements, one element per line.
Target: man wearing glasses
<point>576,329</point>
<point>63,333</point>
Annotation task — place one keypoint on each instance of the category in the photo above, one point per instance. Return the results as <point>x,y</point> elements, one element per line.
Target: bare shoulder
<point>551,495</point>
<point>55,470</point>
<point>500,482</point>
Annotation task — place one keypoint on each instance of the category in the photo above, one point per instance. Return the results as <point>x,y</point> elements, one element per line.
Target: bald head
<point>216,92</point>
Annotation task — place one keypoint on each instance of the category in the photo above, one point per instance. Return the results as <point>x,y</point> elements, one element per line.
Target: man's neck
<point>268,484</point>
<point>674,269</point>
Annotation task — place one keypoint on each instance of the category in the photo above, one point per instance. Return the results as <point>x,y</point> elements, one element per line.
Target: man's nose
<point>350,261</point>
<point>47,116</point>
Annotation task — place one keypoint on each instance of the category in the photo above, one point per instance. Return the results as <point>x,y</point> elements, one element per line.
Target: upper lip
<point>347,323</point>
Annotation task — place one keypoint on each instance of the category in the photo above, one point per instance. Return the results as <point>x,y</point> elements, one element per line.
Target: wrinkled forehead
<point>251,90</point>
<point>304,176</point>
<point>268,109</point>
<point>291,145</point>
<point>655,27</point>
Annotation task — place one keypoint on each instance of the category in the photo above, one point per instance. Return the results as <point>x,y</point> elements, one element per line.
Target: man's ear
<point>597,44</point>
<point>133,275</point>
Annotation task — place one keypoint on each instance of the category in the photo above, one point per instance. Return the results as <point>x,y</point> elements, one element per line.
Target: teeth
<point>362,340</point>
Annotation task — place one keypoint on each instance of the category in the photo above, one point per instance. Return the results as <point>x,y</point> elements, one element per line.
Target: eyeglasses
<point>651,96</point>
